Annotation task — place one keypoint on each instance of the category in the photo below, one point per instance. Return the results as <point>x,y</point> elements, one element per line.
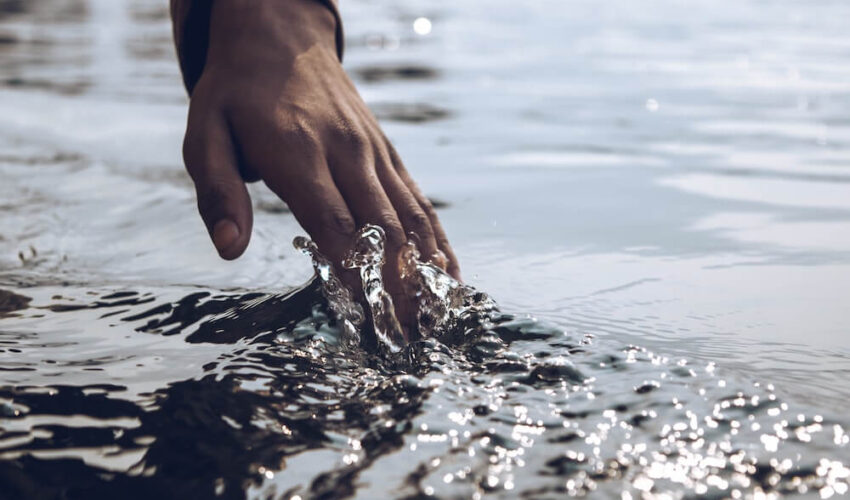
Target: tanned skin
<point>274,104</point>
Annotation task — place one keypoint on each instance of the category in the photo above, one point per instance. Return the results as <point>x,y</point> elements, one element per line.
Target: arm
<point>270,101</point>
<point>191,23</point>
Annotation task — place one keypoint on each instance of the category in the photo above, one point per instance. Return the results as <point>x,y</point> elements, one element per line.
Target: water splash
<point>443,304</point>
<point>367,256</point>
<point>345,310</point>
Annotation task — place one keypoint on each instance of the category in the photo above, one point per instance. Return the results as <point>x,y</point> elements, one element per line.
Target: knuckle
<point>208,200</point>
<point>392,228</point>
<point>300,132</point>
<point>419,222</point>
<point>210,193</point>
<point>428,208</point>
<point>284,111</point>
<point>396,159</point>
<point>338,221</point>
<point>354,139</point>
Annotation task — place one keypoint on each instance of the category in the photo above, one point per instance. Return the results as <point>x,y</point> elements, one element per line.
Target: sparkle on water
<point>135,365</point>
<point>485,404</point>
<point>422,26</point>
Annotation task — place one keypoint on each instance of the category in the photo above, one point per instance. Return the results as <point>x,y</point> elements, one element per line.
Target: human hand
<point>274,104</point>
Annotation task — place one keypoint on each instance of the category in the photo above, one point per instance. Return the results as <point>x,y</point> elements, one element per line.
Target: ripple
<point>408,112</point>
<point>512,405</point>
<point>377,74</point>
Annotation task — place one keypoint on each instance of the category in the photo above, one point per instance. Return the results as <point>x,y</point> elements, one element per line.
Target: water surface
<point>663,184</point>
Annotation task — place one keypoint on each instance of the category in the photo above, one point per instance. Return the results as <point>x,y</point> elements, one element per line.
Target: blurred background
<point>672,173</point>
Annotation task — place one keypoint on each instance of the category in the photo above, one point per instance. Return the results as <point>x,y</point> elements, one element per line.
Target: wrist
<point>250,32</point>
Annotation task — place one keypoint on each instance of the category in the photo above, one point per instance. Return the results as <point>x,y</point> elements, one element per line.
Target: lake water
<point>664,185</point>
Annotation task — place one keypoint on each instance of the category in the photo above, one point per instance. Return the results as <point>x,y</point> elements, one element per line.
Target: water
<point>662,184</point>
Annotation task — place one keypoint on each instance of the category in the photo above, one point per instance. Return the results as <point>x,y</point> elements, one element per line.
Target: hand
<point>274,104</point>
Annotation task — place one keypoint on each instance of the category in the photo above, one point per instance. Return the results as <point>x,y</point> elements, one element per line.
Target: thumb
<point>223,200</point>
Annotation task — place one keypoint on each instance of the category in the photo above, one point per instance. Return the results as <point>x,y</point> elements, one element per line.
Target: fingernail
<point>225,234</point>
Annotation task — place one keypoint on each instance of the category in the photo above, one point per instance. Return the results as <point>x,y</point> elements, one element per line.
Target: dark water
<point>663,184</point>
<point>268,402</point>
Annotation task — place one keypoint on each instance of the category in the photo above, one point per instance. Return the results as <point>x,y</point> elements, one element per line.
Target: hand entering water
<point>273,103</point>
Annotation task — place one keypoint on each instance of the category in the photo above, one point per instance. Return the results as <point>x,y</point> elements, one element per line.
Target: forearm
<point>194,22</point>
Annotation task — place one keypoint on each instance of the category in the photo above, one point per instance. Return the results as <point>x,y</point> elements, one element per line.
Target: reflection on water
<point>411,113</point>
<point>509,407</point>
<point>664,184</point>
<point>374,74</point>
